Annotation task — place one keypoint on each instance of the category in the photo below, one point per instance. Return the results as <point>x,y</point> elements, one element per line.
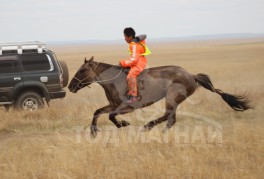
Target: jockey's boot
<point>131,99</point>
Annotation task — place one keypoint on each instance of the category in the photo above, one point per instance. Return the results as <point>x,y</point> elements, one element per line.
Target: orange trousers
<point>132,76</point>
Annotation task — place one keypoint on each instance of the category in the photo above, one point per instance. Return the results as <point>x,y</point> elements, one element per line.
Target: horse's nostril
<point>80,85</point>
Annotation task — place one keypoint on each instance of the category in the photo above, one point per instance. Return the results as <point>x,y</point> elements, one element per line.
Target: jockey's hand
<point>117,67</point>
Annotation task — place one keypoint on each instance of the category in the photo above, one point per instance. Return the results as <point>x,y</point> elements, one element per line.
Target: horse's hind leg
<point>153,123</point>
<point>175,95</point>
<point>169,115</point>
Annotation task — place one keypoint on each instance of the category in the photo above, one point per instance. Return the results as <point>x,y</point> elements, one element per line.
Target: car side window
<point>8,64</point>
<point>35,62</point>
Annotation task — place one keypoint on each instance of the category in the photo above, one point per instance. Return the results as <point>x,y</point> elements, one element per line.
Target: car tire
<point>7,107</point>
<point>29,101</point>
<point>65,73</point>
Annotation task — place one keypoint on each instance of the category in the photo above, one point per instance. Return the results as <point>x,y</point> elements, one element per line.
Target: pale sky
<point>62,20</point>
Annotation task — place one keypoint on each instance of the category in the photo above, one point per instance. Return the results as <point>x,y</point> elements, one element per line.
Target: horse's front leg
<point>118,124</point>
<point>98,112</point>
<point>118,111</point>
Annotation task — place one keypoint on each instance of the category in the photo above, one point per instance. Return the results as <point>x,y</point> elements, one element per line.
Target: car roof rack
<point>19,47</point>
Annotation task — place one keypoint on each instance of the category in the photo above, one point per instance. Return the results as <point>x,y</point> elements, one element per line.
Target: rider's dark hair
<point>129,31</point>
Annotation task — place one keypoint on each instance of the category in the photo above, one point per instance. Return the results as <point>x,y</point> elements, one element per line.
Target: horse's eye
<point>82,71</point>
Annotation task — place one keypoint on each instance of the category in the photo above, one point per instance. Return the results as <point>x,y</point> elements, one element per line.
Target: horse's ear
<point>91,59</point>
<point>85,61</point>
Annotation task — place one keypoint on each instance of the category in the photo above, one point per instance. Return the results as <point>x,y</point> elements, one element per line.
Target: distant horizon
<point>224,36</point>
<point>210,37</point>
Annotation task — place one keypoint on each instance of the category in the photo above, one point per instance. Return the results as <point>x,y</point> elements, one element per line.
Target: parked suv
<point>30,74</point>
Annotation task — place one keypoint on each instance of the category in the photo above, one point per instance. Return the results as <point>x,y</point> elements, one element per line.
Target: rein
<point>81,83</point>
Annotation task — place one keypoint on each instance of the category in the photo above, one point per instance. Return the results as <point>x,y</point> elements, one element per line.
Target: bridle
<point>81,83</point>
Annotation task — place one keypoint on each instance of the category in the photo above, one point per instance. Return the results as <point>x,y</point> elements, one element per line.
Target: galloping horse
<point>172,82</point>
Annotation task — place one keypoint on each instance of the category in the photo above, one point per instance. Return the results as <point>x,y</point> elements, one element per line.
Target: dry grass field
<point>209,140</point>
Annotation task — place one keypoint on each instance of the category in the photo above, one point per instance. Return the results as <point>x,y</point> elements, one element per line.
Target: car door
<point>38,69</point>
<point>10,77</point>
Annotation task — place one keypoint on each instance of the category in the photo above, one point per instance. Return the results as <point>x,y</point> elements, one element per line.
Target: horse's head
<point>84,76</point>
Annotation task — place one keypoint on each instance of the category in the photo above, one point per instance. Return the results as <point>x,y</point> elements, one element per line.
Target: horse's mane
<point>114,67</point>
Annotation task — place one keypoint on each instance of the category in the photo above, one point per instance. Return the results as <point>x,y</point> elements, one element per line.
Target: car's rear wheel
<point>65,73</point>
<point>29,101</point>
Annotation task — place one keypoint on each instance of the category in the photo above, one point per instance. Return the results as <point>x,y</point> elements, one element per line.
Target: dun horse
<point>170,82</point>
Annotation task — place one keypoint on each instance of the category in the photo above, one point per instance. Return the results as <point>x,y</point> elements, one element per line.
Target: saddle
<point>126,70</point>
<point>140,83</point>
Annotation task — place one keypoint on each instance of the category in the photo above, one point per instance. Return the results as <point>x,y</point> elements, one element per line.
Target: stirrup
<point>131,99</point>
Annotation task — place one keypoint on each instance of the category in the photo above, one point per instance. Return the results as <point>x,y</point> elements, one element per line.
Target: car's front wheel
<point>7,107</point>
<point>29,101</point>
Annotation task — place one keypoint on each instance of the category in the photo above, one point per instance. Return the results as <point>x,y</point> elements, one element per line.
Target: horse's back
<point>168,72</point>
<point>153,83</point>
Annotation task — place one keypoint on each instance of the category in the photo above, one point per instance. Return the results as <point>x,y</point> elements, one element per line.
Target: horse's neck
<point>102,67</point>
<point>106,76</point>
<point>106,71</point>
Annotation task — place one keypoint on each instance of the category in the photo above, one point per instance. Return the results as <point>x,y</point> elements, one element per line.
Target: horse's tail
<point>238,103</point>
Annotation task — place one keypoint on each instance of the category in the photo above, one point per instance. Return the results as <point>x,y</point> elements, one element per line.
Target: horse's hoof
<point>165,130</point>
<point>124,123</point>
<point>93,134</point>
<point>94,128</point>
<point>146,128</point>
<point>94,131</point>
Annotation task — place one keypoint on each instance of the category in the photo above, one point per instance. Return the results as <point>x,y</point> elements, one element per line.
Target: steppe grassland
<point>51,143</point>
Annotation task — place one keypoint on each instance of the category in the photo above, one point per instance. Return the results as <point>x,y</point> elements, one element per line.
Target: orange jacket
<point>135,58</point>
